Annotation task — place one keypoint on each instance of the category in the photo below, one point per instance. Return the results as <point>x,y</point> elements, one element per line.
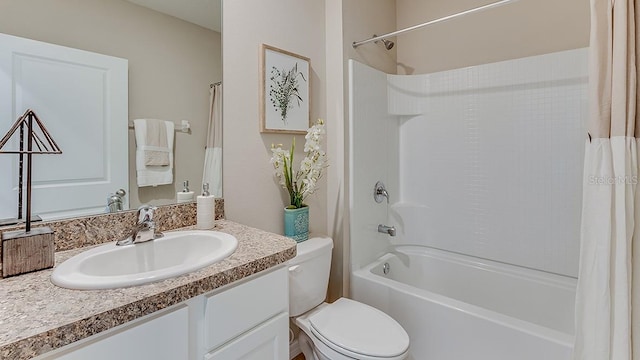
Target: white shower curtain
<point>213,154</point>
<point>608,295</point>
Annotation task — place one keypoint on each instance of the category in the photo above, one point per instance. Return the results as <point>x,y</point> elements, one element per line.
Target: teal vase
<point>296,223</point>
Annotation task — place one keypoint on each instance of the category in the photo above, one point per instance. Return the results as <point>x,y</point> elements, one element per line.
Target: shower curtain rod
<point>442,19</point>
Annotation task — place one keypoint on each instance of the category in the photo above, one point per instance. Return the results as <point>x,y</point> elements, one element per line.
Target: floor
<point>299,357</point>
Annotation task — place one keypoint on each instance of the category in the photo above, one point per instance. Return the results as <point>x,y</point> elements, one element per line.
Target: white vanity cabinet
<point>268,341</point>
<point>243,320</point>
<point>249,320</point>
<point>162,335</point>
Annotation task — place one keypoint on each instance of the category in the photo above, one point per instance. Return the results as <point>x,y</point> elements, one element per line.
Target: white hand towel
<point>152,175</point>
<point>156,150</point>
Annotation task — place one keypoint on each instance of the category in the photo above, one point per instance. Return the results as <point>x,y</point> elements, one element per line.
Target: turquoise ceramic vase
<point>296,223</point>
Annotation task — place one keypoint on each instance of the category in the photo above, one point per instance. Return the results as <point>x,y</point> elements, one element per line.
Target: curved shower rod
<point>355,44</point>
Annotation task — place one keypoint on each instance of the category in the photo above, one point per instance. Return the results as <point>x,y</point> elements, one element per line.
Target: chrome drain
<point>385,268</point>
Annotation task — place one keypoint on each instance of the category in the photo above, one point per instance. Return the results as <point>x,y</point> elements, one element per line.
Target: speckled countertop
<point>37,316</point>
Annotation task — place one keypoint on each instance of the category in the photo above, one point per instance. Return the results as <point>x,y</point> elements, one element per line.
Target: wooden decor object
<point>28,250</point>
<point>25,252</point>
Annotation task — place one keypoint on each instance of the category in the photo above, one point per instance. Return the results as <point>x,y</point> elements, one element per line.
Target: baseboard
<point>294,349</point>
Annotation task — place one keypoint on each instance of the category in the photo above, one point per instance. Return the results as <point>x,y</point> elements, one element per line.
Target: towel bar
<point>183,127</point>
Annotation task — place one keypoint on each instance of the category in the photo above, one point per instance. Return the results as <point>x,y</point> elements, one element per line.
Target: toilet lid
<point>359,328</point>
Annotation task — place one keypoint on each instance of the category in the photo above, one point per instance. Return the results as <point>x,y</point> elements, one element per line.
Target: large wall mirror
<point>173,50</point>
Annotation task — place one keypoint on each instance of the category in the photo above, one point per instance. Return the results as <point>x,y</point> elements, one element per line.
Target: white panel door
<point>82,99</point>
<point>268,341</point>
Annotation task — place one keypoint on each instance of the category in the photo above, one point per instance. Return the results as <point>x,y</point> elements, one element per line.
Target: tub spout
<point>391,230</point>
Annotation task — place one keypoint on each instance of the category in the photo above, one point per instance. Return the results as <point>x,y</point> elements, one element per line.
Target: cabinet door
<point>156,337</point>
<point>268,341</point>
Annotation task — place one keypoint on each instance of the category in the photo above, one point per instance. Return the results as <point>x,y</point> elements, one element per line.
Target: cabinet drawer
<point>269,341</point>
<point>244,306</point>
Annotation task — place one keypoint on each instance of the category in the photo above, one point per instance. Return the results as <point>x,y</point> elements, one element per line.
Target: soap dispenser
<point>205,209</point>
<point>185,195</point>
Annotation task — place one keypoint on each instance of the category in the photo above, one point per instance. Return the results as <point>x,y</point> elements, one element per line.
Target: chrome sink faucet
<point>145,229</point>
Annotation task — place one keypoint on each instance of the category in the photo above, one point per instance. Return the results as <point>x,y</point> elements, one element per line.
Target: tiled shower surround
<point>485,160</point>
<point>493,154</point>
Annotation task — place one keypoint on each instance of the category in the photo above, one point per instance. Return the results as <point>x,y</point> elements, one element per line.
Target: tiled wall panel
<point>491,159</point>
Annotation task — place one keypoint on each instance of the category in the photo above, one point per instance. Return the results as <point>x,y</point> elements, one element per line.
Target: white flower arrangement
<point>303,182</point>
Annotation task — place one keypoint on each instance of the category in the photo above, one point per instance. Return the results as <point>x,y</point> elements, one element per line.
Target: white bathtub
<point>457,307</point>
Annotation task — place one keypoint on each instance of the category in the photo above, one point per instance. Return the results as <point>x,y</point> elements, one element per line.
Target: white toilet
<point>345,329</point>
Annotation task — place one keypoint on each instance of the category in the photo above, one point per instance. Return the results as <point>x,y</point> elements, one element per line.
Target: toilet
<point>345,329</point>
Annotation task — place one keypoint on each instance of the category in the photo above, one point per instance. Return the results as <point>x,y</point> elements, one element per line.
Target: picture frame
<point>284,91</point>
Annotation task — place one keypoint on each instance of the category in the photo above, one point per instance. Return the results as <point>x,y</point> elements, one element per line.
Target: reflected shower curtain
<point>608,294</point>
<point>213,154</point>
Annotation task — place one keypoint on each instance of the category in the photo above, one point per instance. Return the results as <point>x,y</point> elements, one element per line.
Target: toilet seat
<point>359,331</point>
<point>332,352</point>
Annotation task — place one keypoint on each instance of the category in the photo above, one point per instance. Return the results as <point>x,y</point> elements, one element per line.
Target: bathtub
<point>457,307</point>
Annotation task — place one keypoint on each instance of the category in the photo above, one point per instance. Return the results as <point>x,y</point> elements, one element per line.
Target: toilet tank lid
<point>313,247</point>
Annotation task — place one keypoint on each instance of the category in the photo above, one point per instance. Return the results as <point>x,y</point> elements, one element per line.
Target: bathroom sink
<point>110,266</point>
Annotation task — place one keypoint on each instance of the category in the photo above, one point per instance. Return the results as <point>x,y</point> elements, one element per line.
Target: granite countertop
<point>37,316</point>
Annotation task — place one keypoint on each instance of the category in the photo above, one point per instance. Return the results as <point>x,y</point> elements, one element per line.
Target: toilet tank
<point>309,274</point>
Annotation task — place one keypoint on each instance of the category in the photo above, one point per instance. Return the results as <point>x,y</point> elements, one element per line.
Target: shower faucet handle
<point>379,192</point>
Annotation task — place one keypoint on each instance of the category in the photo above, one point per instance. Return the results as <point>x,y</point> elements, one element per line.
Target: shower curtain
<point>608,294</point>
<point>213,154</point>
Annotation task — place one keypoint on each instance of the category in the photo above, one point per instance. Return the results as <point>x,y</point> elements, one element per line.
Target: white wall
<point>374,157</point>
<point>252,194</point>
<point>491,161</point>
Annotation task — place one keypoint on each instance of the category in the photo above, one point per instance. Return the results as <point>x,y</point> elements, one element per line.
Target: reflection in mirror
<point>174,55</point>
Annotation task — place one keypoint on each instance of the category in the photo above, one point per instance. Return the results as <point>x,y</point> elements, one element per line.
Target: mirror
<point>174,55</point>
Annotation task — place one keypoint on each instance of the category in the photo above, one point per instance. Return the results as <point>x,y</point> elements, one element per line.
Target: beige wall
<point>337,202</point>
<point>252,194</point>
<point>519,29</point>
<point>315,30</point>
<point>362,19</point>
<point>171,64</point>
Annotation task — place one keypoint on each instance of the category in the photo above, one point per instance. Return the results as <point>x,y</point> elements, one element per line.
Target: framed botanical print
<point>284,92</point>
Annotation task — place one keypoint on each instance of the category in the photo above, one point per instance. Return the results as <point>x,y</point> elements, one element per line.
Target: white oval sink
<point>110,266</point>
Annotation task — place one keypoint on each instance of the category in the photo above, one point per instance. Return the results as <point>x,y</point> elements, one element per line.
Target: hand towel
<point>156,150</point>
<point>152,175</point>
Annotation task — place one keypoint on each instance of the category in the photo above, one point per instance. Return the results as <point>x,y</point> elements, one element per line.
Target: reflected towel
<point>152,175</point>
<point>156,149</point>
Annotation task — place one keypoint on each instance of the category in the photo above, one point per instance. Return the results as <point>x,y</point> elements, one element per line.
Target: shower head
<point>388,44</point>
